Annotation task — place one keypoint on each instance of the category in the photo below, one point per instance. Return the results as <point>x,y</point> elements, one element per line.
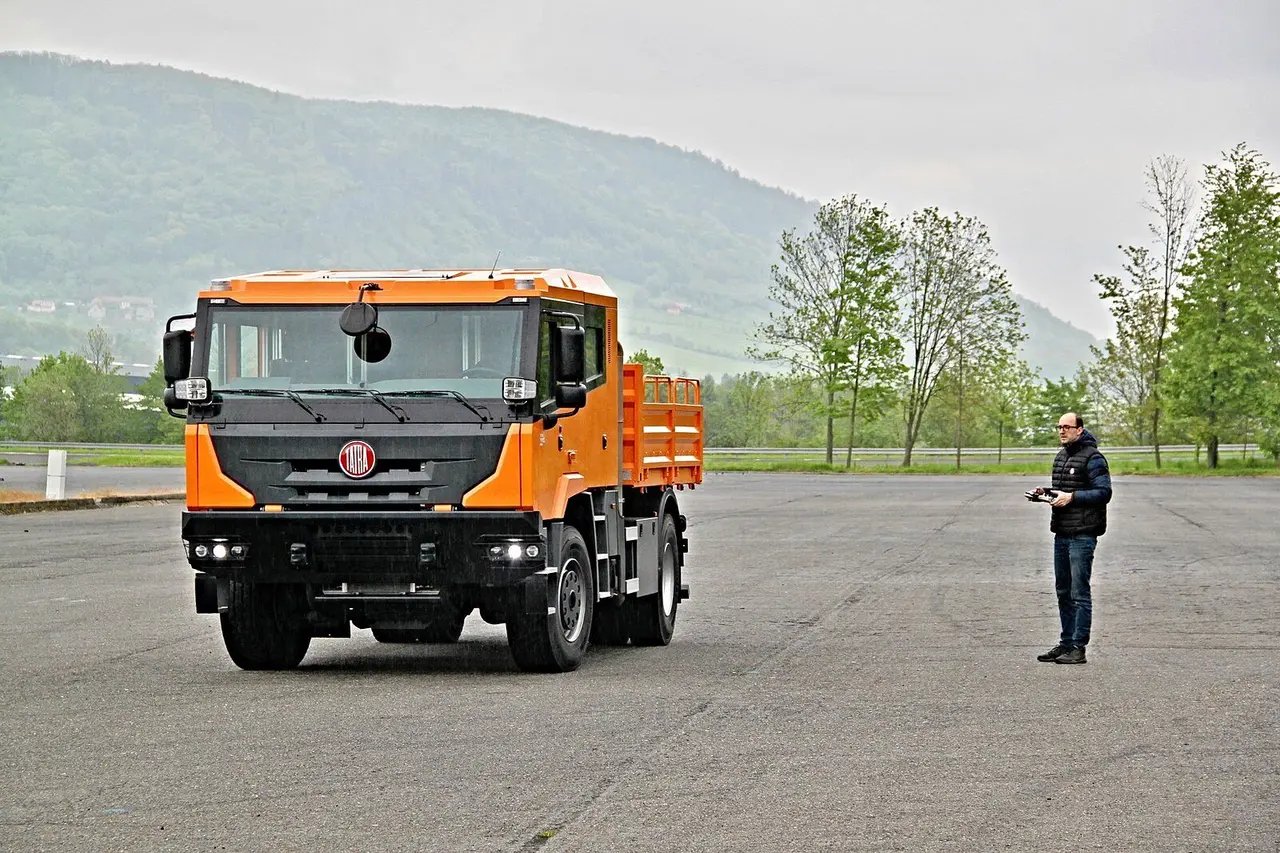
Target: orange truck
<point>397,449</point>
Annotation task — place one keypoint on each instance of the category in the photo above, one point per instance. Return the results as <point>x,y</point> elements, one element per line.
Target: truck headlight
<point>517,390</point>
<point>514,551</point>
<point>217,550</point>
<point>192,390</point>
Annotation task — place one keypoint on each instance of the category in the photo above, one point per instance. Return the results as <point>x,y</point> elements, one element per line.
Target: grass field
<point>160,457</point>
<point>1233,464</point>
<point>1253,466</point>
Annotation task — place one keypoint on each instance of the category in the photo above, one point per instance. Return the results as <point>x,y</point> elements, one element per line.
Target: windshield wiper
<point>365,392</point>
<point>276,392</point>
<point>441,392</point>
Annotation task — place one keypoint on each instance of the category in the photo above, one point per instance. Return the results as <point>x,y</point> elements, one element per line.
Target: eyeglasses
<point>1061,427</point>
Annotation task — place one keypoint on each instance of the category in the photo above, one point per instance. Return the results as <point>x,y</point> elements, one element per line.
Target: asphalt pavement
<point>28,472</point>
<point>855,671</point>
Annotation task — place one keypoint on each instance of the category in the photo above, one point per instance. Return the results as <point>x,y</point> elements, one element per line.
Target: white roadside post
<point>55,486</point>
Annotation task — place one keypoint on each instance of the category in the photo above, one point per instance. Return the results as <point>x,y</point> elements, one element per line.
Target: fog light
<point>238,552</point>
<point>495,551</point>
<point>220,551</point>
<point>532,550</point>
<point>202,551</point>
<point>513,552</point>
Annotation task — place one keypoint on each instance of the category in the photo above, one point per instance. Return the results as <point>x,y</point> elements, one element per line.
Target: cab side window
<point>593,324</point>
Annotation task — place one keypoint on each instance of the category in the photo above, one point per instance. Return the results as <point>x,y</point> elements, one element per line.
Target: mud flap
<point>213,595</point>
<point>538,592</point>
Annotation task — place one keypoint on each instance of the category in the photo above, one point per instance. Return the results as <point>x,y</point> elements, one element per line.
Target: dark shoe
<point>1053,653</point>
<point>1073,655</point>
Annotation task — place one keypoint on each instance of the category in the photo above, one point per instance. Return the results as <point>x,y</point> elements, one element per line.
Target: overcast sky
<point>1037,117</point>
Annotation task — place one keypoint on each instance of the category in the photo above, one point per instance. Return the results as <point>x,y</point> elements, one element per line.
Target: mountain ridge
<point>132,178</point>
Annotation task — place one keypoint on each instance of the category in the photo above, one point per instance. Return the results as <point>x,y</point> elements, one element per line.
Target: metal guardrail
<point>41,445</point>
<point>964,451</point>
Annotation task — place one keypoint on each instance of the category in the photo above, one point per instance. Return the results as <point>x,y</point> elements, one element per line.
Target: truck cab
<point>397,449</point>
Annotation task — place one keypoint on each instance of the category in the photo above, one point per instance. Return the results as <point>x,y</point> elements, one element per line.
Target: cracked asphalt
<point>855,671</point>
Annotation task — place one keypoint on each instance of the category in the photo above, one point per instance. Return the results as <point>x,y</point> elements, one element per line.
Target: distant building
<point>42,306</point>
<point>123,308</point>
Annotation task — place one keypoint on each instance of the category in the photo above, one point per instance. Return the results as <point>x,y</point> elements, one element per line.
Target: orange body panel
<point>582,451</point>
<point>207,486</point>
<point>504,488</point>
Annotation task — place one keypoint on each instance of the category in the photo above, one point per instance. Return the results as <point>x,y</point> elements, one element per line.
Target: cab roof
<point>414,285</point>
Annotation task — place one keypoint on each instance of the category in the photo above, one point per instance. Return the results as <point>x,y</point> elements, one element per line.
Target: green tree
<point>956,302</point>
<point>1010,389</point>
<point>868,350</point>
<point>1057,397</point>
<point>64,399</point>
<point>148,422</point>
<point>828,285</point>
<point>652,363</point>
<point>1126,366</point>
<point>1224,364</point>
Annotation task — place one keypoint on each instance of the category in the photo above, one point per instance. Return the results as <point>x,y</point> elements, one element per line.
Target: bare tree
<point>954,299</point>
<point>97,351</point>
<point>1129,367</point>
<point>1172,201</point>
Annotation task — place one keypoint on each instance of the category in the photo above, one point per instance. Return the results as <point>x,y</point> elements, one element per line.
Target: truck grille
<point>409,470</point>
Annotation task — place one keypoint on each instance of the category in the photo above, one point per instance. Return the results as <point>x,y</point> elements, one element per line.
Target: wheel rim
<point>572,593</point>
<point>668,579</point>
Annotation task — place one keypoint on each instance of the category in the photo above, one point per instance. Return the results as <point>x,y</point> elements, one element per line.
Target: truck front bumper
<point>429,549</point>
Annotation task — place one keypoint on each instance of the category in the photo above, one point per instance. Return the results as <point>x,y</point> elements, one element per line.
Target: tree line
<point>81,396</point>
<point>1196,352</point>
<point>905,333</point>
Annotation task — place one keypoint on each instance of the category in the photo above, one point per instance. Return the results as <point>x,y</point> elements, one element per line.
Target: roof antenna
<point>495,264</point>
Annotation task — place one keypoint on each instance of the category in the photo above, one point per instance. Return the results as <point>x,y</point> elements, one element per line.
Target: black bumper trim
<point>382,546</point>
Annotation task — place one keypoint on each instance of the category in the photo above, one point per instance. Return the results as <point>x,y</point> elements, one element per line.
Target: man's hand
<point>1061,500</point>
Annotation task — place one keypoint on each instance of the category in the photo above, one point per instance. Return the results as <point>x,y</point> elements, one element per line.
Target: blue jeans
<point>1072,566</point>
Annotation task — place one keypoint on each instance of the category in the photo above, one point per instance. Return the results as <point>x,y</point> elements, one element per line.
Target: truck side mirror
<point>571,395</point>
<point>177,355</point>
<point>569,357</point>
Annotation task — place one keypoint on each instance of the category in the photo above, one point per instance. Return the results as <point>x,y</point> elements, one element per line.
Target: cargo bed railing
<point>662,431</point>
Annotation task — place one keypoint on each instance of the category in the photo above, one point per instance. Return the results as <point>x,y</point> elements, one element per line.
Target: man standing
<point>1082,482</point>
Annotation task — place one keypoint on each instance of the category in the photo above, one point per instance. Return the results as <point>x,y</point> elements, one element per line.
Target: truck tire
<point>444,628</point>
<point>265,625</point>
<point>557,642</point>
<point>654,616</point>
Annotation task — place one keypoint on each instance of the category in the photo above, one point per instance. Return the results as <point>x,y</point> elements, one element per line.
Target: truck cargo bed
<point>661,429</point>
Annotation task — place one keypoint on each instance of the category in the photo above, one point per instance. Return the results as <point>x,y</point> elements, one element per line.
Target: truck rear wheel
<point>265,625</point>
<point>654,616</point>
<point>557,641</point>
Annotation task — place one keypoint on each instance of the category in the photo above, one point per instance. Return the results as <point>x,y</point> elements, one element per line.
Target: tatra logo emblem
<point>356,459</point>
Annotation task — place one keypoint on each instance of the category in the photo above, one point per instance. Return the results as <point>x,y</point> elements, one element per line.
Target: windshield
<point>467,349</point>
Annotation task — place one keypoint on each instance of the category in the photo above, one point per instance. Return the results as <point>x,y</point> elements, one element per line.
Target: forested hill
<point>128,181</point>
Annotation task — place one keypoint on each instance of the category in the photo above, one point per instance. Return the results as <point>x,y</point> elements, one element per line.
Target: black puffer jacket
<point>1081,468</point>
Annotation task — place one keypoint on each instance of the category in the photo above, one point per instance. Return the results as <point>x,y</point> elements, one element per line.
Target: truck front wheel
<point>265,625</point>
<point>654,616</point>
<point>557,640</point>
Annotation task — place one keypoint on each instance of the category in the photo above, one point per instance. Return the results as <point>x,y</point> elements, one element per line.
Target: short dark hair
<point>1079,421</point>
